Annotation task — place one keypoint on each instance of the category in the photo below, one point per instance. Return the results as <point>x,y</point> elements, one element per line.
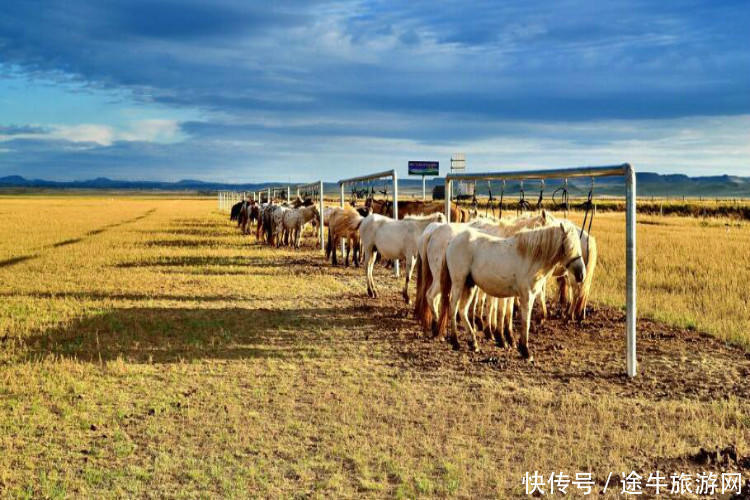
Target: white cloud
<point>162,131</point>
<point>86,132</point>
<point>154,130</point>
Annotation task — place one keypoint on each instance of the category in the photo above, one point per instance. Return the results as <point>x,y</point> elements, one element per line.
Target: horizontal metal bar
<point>379,175</point>
<point>522,175</point>
<point>314,185</point>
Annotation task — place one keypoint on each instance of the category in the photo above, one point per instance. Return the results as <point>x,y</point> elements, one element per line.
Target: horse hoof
<point>473,347</point>
<point>524,351</point>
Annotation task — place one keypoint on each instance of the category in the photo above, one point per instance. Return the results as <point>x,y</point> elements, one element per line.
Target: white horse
<point>295,219</point>
<point>393,239</point>
<point>432,247</point>
<point>516,266</point>
<point>277,225</point>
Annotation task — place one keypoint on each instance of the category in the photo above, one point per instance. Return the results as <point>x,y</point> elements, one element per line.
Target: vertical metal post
<point>395,216</point>
<point>424,196</point>
<point>447,194</point>
<point>288,193</point>
<point>269,195</point>
<point>343,243</point>
<point>630,268</point>
<point>320,196</point>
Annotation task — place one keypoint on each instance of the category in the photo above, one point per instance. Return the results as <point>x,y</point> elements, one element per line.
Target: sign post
<point>424,168</point>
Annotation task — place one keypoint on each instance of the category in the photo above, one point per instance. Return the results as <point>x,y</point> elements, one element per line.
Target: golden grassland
<point>148,349</point>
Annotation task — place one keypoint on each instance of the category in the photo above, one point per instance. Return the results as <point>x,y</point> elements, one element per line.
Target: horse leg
<point>334,246</point>
<point>357,246</point>
<point>457,290</point>
<point>432,296</point>
<point>489,319</point>
<point>370,262</point>
<point>543,303</point>
<point>409,261</point>
<point>468,294</point>
<point>526,305</point>
<point>474,304</point>
<point>501,309</point>
<point>507,326</point>
<point>348,251</point>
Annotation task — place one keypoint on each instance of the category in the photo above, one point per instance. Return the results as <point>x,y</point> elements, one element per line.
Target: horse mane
<point>434,217</point>
<point>546,244</point>
<point>512,226</point>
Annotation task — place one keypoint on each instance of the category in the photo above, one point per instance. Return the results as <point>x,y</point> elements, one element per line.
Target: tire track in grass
<point>71,241</point>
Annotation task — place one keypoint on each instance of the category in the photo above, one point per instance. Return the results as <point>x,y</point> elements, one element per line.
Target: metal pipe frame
<point>370,177</point>
<point>625,170</point>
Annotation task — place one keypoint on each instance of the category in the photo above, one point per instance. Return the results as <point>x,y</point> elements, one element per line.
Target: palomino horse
<point>294,221</point>
<point>393,239</point>
<point>516,266</point>
<point>343,223</point>
<point>432,247</point>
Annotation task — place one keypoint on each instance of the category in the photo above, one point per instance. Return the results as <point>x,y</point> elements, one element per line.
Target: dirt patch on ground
<point>589,358</point>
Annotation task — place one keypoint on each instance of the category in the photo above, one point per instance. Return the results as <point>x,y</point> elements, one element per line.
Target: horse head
<point>571,251</point>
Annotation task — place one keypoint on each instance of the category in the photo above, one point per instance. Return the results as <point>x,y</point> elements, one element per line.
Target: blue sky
<point>298,90</point>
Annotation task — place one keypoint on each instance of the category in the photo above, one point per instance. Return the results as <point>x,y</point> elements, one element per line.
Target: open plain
<point>147,348</point>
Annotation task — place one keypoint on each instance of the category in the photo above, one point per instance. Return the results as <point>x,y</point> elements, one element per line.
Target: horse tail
<point>329,245</point>
<point>445,298</point>
<point>420,285</point>
<point>585,288</point>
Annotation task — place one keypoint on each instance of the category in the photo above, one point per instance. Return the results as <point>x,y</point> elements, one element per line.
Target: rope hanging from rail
<point>500,206</point>
<point>563,198</point>
<point>589,208</point>
<point>541,197</point>
<point>474,202</point>
<point>523,205</point>
<point>489,200</point>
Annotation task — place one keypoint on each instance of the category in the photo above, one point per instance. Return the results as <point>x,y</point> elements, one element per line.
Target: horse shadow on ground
<point>170,335</point>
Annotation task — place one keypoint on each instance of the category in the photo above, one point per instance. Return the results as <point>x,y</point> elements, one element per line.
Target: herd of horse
<point>478,269</point>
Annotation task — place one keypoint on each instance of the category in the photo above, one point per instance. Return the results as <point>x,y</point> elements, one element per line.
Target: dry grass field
<point>148,349</point>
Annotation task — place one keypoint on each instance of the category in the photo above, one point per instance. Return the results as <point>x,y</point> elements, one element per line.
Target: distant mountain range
<point>648,184</point>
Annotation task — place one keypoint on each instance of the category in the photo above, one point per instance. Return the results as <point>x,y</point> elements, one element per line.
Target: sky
<point>242,91</point>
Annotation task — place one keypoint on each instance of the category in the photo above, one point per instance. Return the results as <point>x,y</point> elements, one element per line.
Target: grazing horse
<point>393,239</point>
<point>575,309</point>
<point>343,224</point>
<point>245,216</point>
<point>295,219</point>
<point>516,266</point>
<point>235,213</point>
<point>279,234</point>
<point>267,228</point>
<point>432,246</point>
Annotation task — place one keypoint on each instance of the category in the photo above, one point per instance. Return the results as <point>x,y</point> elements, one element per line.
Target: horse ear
<point>544,216</point>
<point>562,227</point>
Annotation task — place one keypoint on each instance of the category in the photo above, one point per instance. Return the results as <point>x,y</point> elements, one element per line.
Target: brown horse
<point>343,223</point>
<point>416,207</point>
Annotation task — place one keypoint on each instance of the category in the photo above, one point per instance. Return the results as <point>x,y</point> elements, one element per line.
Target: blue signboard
<point>424,168</point>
